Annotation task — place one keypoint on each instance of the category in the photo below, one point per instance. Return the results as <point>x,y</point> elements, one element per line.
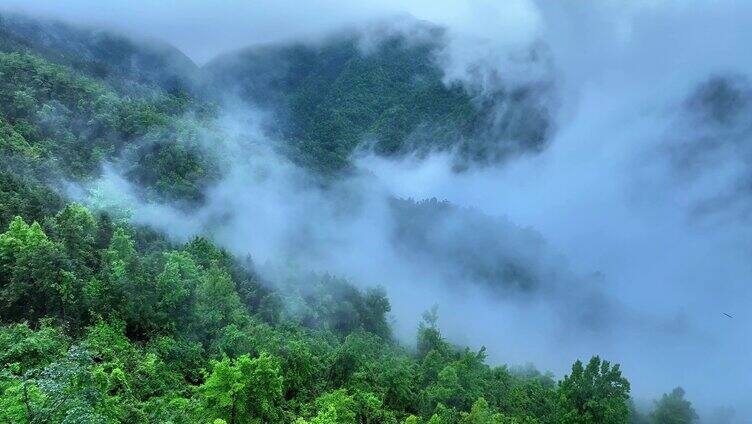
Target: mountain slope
<point>106,321</point>
<point>330,99</point>
<point>121,61</point>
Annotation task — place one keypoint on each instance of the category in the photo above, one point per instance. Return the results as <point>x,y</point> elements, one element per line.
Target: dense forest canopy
<point>331,98</point>
<point>106,318</point>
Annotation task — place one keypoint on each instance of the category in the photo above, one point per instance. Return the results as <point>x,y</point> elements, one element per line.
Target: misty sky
<point>203,29</point>
<point>612,193</point>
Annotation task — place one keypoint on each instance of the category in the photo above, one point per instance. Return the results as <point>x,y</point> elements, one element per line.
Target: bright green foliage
<point>120,269</point>
<point>223,391</point>
<point>245,390</point>
<point>107,293</point>
<point>339,407</point>
<point>174,288</point>
<point>336,407</point>
<point>25,349</point>
<point>151,316</point>
<point>217,303</point>
<point>481,413</point>
<point>672,408</point>
<point>412,419</point>
<point>460,382</point>
<point>596,393</point>
<point>313,373</point>
<point>34,280</point>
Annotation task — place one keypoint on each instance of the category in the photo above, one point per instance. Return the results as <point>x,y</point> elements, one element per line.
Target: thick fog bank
<point>647,182</point>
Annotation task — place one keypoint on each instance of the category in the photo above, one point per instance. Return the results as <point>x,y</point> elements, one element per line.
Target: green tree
<point>304,370</point>
<point>374,315</point>
<point>24,349</point>
<point>13,142</point>
<point>68,391</point>
<point>113,292</point>
<point>594,394</point>
<point>174,291</point>
<point>672,408</point>
<point>23,197</point>
<point>244,390</point>
<point>34,276</point>
<point>217,304</point>
<point>459,383</point>
<point>337,407</point>
<point>481,413</point>
<point>77,229</point>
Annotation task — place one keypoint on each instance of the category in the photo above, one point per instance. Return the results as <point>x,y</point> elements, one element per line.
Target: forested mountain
<point>72,98</point>
<point>330,97</point>
<point>121,62</point>
<point>105,320</point>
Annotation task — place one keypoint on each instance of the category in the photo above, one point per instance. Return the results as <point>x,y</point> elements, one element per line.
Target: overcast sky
<point>202,29</point>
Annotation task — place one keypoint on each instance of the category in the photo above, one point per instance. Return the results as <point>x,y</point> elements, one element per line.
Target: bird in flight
<point>727,315</point>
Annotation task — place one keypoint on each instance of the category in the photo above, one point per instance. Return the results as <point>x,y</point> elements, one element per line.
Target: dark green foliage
<point>331,99</point>
<point>53,118</point>
<point>100,54</point>
<point>468,245</point>
<point>35,277</point>
<point>20,198</point>
<point>336,304</point>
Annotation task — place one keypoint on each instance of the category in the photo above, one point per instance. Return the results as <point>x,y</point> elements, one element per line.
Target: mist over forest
<point>435,212</point>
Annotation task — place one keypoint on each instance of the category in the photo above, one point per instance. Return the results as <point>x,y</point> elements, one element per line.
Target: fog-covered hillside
<point>384,92</point>
<point>380,222</point>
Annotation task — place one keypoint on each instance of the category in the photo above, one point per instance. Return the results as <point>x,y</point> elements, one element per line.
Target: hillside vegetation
<point>106,321</point>
<point>330,99</point>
